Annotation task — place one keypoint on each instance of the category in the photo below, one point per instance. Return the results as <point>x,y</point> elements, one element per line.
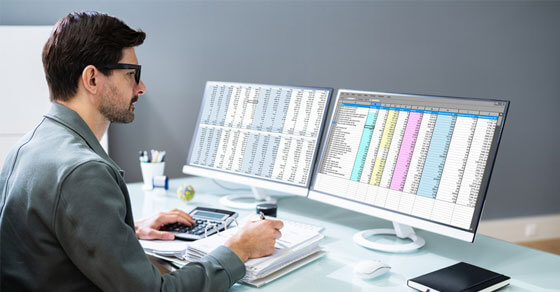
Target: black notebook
<point>459,277</point>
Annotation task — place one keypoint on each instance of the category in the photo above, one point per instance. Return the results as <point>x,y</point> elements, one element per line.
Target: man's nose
<point>141,88</point>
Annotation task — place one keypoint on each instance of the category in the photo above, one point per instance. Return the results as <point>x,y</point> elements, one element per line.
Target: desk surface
<point>529,269</point>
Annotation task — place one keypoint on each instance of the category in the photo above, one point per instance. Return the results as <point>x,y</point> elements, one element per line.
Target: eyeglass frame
<point>118,66</point>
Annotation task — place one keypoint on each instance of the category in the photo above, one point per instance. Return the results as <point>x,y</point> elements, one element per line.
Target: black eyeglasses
<point>127,66</point>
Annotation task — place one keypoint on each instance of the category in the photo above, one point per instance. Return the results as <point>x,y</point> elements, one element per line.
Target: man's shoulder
<point>52,151</point>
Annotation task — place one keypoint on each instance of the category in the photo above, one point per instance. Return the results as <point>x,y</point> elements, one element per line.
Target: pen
<point>262,215</point>
<point>142,156</point>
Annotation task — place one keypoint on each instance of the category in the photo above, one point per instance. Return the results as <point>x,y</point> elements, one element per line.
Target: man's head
<point>95,52</point>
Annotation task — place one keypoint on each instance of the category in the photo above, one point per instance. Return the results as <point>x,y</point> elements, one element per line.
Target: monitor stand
<point>239,201</point>
<point>400,231</point>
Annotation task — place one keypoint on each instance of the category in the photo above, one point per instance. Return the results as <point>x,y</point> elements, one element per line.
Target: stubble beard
<point>114,112</point>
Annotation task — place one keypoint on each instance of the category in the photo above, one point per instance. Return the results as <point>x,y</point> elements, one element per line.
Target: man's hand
<point>255,239</point>
<point>149,228</point>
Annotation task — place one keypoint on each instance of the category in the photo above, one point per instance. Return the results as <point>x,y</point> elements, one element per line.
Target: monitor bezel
<point>255,181</point>
<point>391,215</point>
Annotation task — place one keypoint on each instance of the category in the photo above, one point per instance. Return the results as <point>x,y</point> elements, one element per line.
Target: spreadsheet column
<point>364,145</point>
<point>394,149</point>
<point>407,149</point>
<point>315,116</point>
<point>435,160</point>
<point>393,198</point>
<point>456,159</point>
<point>420,153</point>
<point>384,145</point>
<point>474,168</point>
<point>374,145</point>
<point>347,131</point>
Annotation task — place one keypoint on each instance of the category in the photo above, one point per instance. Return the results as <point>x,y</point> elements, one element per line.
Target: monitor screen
<point>262,135</point>
<point>422,161</point>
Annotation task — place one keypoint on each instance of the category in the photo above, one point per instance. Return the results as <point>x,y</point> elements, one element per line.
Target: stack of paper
<point>166,248</point>
<point>296,245</point>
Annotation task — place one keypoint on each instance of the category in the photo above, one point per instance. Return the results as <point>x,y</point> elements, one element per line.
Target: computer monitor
<point>419,161</point>
<point>263,136</point>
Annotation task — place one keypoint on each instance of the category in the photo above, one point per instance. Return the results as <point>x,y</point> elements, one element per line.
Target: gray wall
<point>494,49</point>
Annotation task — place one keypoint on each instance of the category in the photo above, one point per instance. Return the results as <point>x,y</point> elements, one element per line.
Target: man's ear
<point>90,79</point>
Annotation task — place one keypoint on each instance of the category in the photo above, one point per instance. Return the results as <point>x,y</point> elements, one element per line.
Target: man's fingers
<point>163,235</point>
<point>276,224</point>
<point>171,218</point>
<point>182,214</point>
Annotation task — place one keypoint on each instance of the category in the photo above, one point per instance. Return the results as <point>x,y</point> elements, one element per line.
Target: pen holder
<point>149,170</point>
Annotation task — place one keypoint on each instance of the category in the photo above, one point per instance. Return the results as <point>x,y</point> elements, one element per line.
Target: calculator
<point>207,222</point>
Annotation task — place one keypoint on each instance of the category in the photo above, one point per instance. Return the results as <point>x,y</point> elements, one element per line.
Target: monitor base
<point>236,201</point>
<point>400,231</point>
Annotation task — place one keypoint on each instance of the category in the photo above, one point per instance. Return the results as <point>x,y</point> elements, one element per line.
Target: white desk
<point>530,270</point>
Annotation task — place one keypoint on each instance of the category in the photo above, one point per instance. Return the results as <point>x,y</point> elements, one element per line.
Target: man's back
<point>66,222</point>
<point>30,183</point>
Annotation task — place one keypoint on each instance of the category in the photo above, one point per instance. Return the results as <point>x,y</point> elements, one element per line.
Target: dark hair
<point>81,39</point>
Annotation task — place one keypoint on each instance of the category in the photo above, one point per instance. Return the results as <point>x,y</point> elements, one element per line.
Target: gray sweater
<point>66,223</point>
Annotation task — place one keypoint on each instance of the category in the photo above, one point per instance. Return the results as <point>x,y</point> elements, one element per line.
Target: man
<point>66,221</point>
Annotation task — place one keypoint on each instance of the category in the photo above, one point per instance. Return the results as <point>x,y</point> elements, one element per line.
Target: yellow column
<point>386,139</point>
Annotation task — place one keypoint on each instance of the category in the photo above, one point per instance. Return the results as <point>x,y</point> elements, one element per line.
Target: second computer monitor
<point>422,161</point>
<point>264,136</point>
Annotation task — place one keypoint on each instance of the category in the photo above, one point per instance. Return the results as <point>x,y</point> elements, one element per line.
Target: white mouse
<point>370,269</point>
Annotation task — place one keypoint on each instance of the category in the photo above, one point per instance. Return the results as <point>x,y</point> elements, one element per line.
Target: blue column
<point>205,157</point>
<point>198,149</point>
<point>271,153</point>
<point>250,153</point>
<point>260,155</point>
<point>272,108</point>
<point>218,104</point>
<point>259,120</point>
<point>213,149</point>
<point>224,104</point>
<point>437,153</point>
<point>209,103</point>
<point>281,110</point>
<point>364,147</point>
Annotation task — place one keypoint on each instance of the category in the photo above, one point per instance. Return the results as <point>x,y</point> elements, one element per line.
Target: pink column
<point>405,154</point>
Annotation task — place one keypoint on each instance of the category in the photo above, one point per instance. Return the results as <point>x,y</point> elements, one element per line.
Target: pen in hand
<point>278,241</point>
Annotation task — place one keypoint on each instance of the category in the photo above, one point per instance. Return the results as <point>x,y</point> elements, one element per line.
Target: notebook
<point>460,277</point>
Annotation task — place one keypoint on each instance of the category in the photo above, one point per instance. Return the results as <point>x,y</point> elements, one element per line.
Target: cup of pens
<point>152,164</point>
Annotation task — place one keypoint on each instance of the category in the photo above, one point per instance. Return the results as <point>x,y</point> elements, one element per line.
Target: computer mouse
<point>370,269</point>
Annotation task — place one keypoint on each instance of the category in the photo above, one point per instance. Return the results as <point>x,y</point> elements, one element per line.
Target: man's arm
<point>90,225</point>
